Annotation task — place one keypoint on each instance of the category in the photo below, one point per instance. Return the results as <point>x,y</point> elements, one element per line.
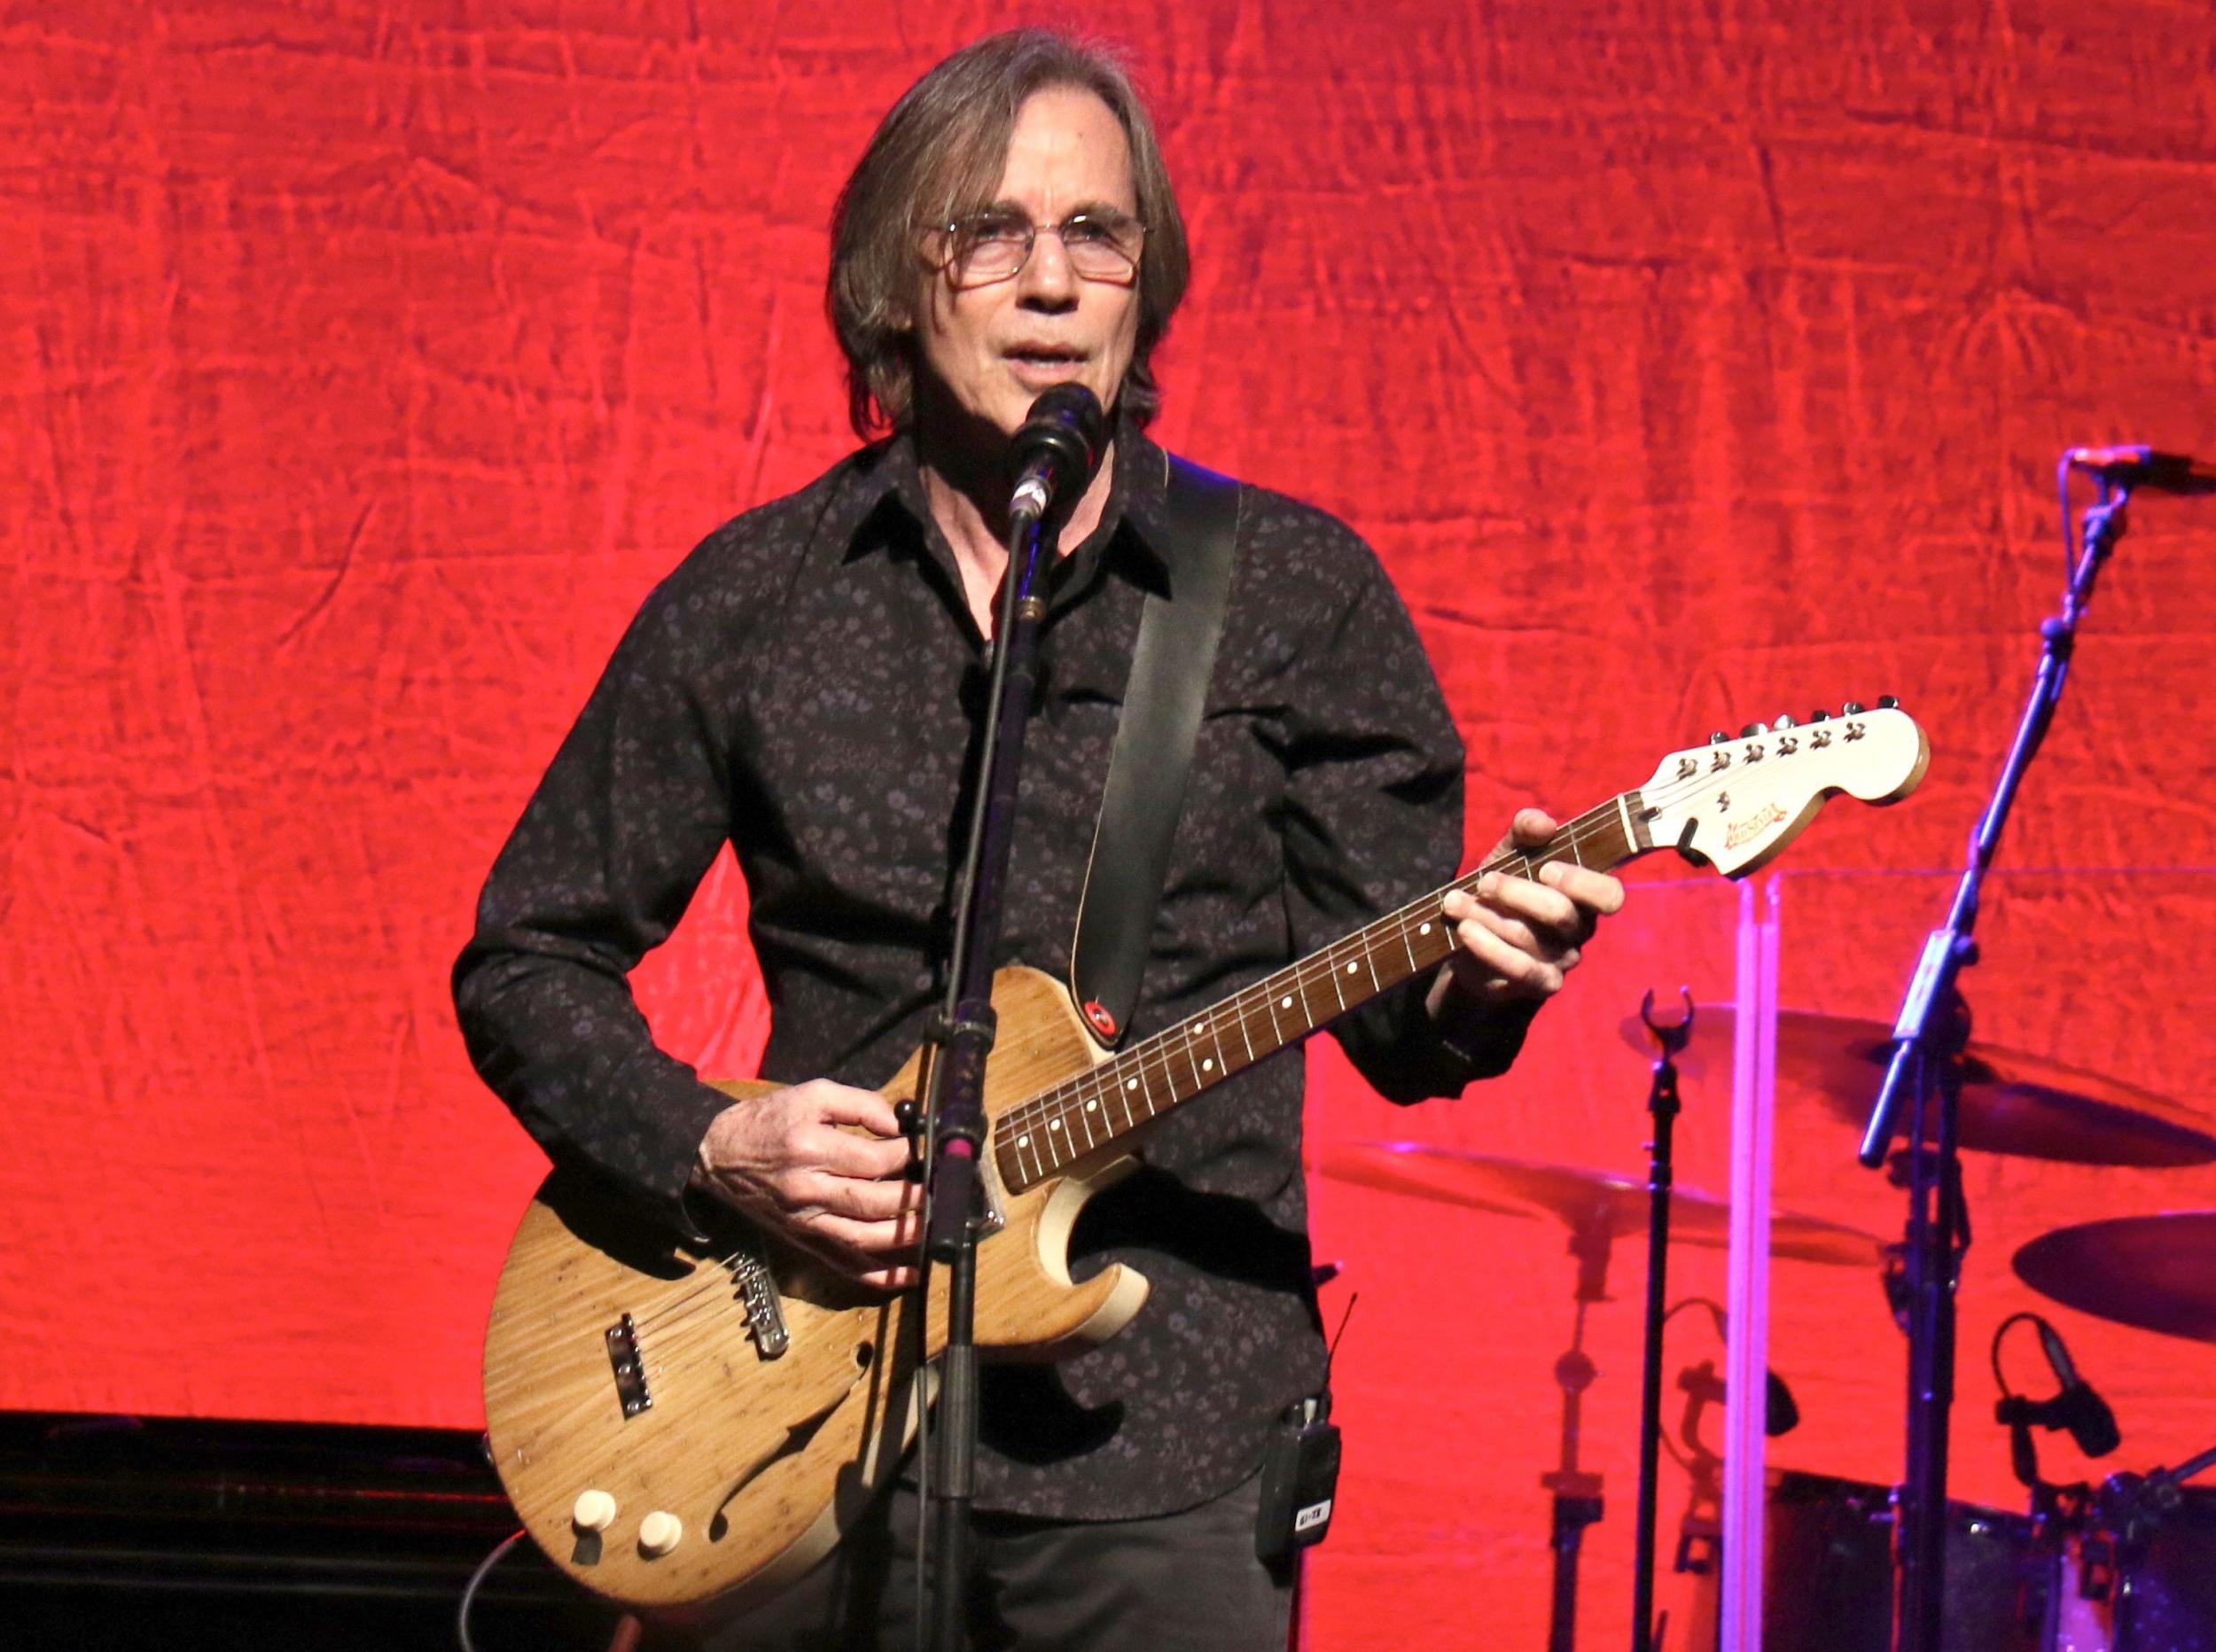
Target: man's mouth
<point>1045,355</point>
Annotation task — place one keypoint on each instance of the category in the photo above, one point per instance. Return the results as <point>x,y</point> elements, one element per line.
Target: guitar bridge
<point>758,1294</point>
<point>630,1376</point>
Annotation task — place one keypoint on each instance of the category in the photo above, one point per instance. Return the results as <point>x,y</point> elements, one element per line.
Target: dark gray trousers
<point>1169,1584</point>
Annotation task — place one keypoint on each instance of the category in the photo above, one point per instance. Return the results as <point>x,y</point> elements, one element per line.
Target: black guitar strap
<point>1145,792</point>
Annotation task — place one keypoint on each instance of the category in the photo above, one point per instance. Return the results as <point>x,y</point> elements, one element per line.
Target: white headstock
<point>1735,802</point>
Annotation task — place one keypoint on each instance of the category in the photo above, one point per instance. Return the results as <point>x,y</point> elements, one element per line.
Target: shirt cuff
<point>1483,1040</point>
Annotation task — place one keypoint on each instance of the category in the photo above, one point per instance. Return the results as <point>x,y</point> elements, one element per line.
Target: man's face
<point>993,347</point>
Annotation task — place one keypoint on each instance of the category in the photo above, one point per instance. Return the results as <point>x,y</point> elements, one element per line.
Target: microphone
<point>2144,467</point>
<point>1780,1415</point>
<point>2077,1408</point>
<point>1055,450</point>
<point>1702,1388</point>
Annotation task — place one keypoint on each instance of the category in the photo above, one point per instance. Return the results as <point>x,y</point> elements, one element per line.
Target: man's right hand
<point>824,1165</point>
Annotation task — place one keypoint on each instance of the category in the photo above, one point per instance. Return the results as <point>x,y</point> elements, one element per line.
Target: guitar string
<point>1305,973</point>
<point>1596,823</point>
<point>1154,1059</point>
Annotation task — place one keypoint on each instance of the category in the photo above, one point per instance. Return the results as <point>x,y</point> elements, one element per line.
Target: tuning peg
<point>1785,722</point>
<point>1719,738</point>
<point>1819,715</point>
<point>1853,708</point>
<point>1753,728</point>
<point>1887,703</point>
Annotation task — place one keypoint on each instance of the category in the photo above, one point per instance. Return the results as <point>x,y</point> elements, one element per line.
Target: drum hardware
<point>1612,1205</point>
<point>2159,1538</point>
<point>2145,1543</point>
<point>2013,1103</point>
<point>2075,1406</point>
<point>1699,1551</point>
<point>1597,1209</point>
<point>1576,1492</point>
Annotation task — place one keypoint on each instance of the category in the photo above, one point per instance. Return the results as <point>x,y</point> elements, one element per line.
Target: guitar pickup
<point>758,1294</point>
<point>630,1376</point>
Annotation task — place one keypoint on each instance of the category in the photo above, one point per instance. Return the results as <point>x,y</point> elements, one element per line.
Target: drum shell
<point>2167,1591</point>
<point>1826,1581</point>
<point>1827,1575</point>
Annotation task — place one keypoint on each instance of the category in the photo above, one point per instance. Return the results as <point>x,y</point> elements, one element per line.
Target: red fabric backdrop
<point>364,364</point>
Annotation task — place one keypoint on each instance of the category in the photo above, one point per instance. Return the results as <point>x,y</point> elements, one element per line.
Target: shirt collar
<point>1133,525</point>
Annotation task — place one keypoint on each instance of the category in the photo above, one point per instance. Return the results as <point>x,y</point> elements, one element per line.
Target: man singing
<point>807,685</point>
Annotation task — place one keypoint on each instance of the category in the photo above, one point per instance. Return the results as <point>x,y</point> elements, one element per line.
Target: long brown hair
<point>938,157</point>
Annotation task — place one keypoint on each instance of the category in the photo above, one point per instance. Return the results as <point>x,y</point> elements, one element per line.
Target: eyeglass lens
<point>994,246</point>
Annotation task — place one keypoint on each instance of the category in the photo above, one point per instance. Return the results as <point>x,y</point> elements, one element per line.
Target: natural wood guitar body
<point>764,1462</point>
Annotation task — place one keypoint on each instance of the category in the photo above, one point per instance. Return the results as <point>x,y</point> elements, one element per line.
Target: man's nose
<point>1046,279</point>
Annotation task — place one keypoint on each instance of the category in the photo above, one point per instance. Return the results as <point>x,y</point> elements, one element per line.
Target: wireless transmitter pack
<point>1299,1479</point>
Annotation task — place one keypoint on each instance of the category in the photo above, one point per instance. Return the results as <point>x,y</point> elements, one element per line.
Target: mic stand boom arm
<point>1925,1071</point>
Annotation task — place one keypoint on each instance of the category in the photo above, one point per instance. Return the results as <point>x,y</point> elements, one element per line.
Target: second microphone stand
<point>1925,1076</point>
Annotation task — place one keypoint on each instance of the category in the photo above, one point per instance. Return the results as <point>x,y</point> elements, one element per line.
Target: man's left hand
<point>1517,938</point>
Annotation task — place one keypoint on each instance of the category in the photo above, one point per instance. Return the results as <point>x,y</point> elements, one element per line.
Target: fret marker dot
<point>1055,1124</point>
<point>1352,968</point>
<point>1091,1107</point>
<point>1285,1003</point>
<point>1130,1084</point>
<point>1209,1065</point>
<point>1424,929</point>
<point>1023,1141</point>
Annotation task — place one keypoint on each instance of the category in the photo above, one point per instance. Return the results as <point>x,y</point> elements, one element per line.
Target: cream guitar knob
<point>595,1511</point>
<point>658,1533</point>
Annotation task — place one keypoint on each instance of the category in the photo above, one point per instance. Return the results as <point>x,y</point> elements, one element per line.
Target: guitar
<point>675,1422</point>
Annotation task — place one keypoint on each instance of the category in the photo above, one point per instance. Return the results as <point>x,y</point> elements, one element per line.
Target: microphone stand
<point>1925,1075</point>
<point>955,1057</point>
<point>1662,1102</point>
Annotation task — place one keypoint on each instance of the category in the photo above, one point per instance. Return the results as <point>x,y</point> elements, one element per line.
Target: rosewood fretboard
<point>1052,1131</point>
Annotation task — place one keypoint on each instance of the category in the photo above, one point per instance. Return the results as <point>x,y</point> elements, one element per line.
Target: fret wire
<point>1191,1060</point>
<point>1051,1136</point>
<point>1146,1090</point>
<point>1213,1031</point>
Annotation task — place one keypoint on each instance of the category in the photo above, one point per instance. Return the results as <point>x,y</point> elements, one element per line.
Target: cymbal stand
<point>1924,1076</point>
<point>1662,1103</point>
<point>1577,1491</point>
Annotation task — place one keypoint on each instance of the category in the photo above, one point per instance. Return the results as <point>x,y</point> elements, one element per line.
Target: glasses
<point>1102,245</point>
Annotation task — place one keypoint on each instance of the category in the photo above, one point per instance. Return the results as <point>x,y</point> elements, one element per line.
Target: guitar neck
<point>1040,1137</point>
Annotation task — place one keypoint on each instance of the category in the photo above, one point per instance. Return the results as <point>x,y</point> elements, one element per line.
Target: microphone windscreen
<point>2090,1421</point>
<point>1064,431</point>
<point>1779,1415</point>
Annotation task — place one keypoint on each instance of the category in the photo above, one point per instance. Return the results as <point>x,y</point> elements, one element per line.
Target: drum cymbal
<point>2157,1273</point>
<point>1581,1199</point>
<point>2011,1102</point>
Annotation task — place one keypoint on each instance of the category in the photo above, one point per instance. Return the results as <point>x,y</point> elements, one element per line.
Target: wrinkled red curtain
<point>362,366</point>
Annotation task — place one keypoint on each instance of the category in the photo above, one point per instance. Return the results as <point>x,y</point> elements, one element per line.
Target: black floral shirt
<point>807,683</point>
